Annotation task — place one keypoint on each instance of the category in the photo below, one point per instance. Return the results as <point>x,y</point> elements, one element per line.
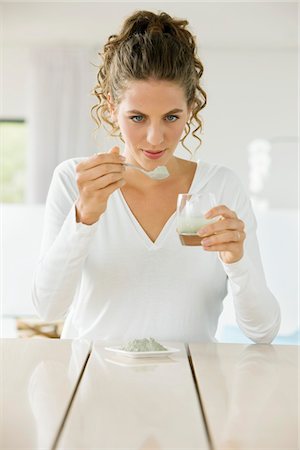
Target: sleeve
<point>64,247</point>
<point>257,310</point>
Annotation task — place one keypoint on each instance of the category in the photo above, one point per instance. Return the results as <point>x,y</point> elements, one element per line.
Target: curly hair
<point>149,46</point>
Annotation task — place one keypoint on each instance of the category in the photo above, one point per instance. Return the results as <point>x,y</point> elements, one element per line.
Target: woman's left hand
<point>225,236</point>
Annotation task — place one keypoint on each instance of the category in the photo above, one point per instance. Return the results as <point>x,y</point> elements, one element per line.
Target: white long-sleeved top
<point>109,281</point>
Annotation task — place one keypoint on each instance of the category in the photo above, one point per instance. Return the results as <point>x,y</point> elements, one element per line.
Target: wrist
<point>86,219</point>
<point>230,259</point>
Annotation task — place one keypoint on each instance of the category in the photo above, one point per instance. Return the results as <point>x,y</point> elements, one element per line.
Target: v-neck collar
<point>164,231</point>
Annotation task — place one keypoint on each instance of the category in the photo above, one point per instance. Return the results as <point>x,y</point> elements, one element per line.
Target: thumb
<point>115,150</point>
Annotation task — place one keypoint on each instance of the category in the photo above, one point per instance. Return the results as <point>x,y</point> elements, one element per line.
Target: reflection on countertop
<point>38,379</point>
<point>249,394</point>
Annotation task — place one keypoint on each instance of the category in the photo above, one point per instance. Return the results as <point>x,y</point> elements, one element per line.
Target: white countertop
<point>57,395</point>
<point>249,394</point>
<point>38,378</point>
<point>125,403</point>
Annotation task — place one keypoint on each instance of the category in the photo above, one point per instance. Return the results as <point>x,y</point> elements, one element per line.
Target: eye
<point>140,118</point>
<point>172,117</point>
<point>136,119</point>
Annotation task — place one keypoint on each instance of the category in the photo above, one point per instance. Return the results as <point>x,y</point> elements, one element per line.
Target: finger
<point>221,210</point>
<point>221,225</point>
<point>112,157</point>
<point>102,182</point>
<point>115,150</point>
<point>229,247</point>
<point>222,238</point>
<point>99,171</point>
<point>113,187</point>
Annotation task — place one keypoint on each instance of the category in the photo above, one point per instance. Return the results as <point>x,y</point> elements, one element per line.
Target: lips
<point>153,154</point>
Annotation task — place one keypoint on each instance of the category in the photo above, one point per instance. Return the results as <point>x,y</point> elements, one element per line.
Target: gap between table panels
<point>77,386</point>
<point>207,430</point>
<point>61,427</point>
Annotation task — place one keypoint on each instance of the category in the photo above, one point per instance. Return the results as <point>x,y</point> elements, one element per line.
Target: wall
<point>251,94</point>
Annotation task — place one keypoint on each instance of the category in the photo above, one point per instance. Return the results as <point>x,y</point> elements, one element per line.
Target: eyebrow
<point>135,111</point>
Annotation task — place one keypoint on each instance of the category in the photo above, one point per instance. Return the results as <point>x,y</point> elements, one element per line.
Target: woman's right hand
<point>97,178</point>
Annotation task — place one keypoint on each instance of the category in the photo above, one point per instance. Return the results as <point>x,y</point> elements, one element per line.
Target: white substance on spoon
<point>159,173</point>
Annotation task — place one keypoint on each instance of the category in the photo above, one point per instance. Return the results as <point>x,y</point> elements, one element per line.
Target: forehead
<point>153,94</point>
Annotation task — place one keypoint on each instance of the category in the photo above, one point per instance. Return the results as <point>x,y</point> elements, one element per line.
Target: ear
<point>112,108</point>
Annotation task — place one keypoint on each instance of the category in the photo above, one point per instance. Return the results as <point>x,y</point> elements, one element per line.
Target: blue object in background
<point>230,334</point>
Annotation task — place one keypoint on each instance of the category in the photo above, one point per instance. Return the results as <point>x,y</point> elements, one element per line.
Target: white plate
<point>117,350</point>
<point>139,362</point>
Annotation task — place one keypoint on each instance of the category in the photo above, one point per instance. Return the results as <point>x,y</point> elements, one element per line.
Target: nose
<point>155,135</point>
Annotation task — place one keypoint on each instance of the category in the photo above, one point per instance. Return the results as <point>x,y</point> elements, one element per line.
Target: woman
<point>111,262</point>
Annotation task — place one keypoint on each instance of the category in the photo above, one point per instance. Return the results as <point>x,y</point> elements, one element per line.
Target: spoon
<point>159,173</point>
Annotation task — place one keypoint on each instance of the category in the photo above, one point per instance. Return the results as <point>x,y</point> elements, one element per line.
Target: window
<point>13,139</point>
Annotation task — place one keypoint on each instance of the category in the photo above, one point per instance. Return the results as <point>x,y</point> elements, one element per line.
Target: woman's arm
<point>64,247</point>
<point>77,198</point>
<point>257,310</point>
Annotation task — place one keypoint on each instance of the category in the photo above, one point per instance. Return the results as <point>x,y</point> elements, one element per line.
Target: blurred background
<point>49,58</point>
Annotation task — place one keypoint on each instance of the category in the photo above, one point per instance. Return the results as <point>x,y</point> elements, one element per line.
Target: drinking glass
<point>191,209</point>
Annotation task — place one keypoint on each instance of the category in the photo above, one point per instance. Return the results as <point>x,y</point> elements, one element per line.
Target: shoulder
<point>217,171</point>
<point>68,167</point>
<point>218,175</point>
<point>65,172</point>
<point>64,177</point>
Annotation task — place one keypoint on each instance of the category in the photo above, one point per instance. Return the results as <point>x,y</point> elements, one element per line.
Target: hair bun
<point>154,28</point>
<point>147,22</point>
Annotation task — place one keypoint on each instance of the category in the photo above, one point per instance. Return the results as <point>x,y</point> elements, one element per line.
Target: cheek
<point>177,131</point>
<point>128,130</point>
<point>132,134</point>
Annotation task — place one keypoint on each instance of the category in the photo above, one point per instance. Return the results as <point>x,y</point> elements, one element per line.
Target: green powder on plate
<point>143,345</point>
